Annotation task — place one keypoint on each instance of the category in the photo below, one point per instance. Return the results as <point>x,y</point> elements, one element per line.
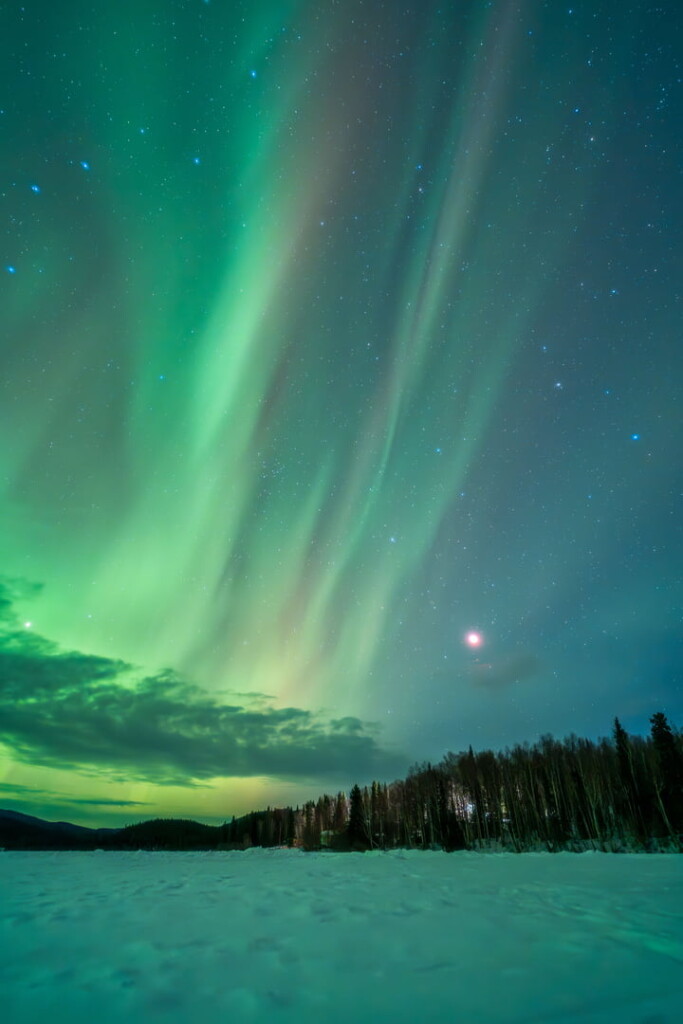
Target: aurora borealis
<point>332,333</point>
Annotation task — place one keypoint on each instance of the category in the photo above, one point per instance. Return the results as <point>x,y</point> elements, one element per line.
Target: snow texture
<point>284,936</point>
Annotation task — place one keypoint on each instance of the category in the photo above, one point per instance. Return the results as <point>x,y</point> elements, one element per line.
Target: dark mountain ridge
<point>25,832</point>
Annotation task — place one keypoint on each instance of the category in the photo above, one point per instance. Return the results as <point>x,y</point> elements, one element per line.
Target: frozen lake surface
<point>283,936</point>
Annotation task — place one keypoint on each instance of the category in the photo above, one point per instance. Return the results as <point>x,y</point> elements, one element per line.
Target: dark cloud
<point>19,790</point>
<point>348,725</point>
<point>31,792</point>
<point>514,668</point>
<point>107,803</point>
<point>74,710</point>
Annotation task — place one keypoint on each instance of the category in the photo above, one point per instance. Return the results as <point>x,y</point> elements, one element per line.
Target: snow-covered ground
<point>283,936</point>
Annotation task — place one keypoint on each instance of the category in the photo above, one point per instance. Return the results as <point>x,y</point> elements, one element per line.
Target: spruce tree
<point>356,829</point>
<point>339,816</point>
<point>290,827</point>
<point>670,771</point>
<point>629,802</point>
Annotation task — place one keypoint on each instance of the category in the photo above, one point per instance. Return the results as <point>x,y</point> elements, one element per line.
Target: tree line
<point>621,793</point>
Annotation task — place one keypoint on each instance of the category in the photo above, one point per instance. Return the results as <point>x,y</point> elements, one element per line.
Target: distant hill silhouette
<point>170,834</point>
<point>24,832</point>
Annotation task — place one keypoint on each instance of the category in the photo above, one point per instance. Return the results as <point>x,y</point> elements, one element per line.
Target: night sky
<point>332,332</point>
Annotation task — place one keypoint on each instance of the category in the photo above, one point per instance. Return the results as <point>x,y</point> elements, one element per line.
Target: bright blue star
<point>253,74</point>
<point>635,437</point>
<point>10,269</point>
<point>196,160</point>
<point>85,165</point>
<point>35,188</point>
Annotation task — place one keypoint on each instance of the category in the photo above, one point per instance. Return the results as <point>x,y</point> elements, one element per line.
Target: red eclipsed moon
<point>474,639</point>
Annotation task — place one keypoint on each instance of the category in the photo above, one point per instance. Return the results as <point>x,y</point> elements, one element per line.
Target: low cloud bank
<point>72,710</point>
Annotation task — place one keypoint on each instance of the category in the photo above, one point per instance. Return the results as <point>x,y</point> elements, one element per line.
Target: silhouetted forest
<point>622,793</point>
<point>617,794</point>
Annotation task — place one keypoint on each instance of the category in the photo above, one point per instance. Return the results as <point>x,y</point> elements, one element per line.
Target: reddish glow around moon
<point>474,639</point>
